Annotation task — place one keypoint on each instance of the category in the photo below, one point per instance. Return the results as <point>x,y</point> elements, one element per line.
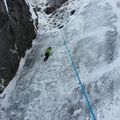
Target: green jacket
<point>49,51</point>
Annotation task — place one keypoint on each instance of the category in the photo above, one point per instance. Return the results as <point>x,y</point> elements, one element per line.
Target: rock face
<point>53,5</point>
<point>16,35</point>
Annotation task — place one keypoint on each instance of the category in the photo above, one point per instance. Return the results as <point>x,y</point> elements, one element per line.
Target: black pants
<point>46,56</point>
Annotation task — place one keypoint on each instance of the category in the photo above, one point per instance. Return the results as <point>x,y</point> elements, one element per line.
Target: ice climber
<point>48,53</point>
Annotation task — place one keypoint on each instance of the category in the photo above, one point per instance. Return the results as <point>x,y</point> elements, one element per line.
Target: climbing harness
<point>77,74</point>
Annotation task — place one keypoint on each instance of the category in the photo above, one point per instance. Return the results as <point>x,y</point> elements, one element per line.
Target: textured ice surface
<point>51,91</point>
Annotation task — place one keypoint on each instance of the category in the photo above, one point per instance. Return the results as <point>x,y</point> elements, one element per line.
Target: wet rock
<point>16,35</point>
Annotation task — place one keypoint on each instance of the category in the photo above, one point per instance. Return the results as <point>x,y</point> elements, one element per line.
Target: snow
<point>51,91</point>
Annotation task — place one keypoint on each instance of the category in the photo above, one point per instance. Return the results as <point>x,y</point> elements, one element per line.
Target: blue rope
<point>81,84</point>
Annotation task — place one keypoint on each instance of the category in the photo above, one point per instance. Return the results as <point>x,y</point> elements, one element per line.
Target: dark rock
<point>49,9</point>
<point>16,35</point>
<point>52,5</point>
<point>60,26</point>
<point>54,23</point>
<point>36,9</point>
<point>72,12</point>
<point>57,3</point>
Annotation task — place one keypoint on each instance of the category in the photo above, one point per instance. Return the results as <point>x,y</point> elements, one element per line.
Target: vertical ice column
<point>5,2</point>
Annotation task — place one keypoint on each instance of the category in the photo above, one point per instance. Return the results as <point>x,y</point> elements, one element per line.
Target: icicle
<point>5,2</point>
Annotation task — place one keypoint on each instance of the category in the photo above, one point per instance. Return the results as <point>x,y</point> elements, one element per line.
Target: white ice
<point>50,90</point>
<point>5,2</point>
